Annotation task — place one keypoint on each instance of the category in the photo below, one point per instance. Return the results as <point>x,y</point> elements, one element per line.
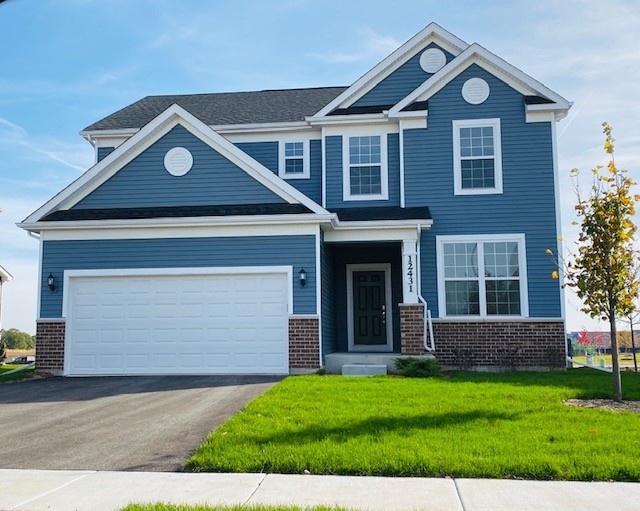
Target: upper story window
<point>294,160</point>
<point>477,157</point>
<point>365,168</point>
<point>482,276</point>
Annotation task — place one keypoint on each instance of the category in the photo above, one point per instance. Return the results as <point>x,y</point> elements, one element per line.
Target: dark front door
<point>369,308</point>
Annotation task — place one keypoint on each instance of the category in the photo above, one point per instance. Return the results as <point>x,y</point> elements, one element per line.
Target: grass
<point>495,425</point>
<point>170,507</point>
<point>22,375</point>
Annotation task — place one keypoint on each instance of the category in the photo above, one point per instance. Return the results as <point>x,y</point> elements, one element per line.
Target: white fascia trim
<point>416,114</point>
<point>483,238</point>
<point>541,117</point>
<point>476,54</point>
<point>431,33</point>
<point>384,166</point>
<point>347,119</point>
<point>5,276</point>
<point>497,157</point>
<point>383,224</point>
<point>172,116</point>
<point>398,234</point>
<point>306,157</point>
<point>213,270</point>
<point>150,223</point>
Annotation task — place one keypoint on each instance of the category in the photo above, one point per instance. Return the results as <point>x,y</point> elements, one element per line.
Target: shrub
<point>414,367</point>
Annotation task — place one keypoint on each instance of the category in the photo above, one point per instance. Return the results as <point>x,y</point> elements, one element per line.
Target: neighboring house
<point>5,276</point>
<point>281,230</point>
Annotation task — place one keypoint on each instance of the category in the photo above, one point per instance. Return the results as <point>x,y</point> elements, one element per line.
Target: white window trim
<point>497,157</point>
<point>384,166</point>
<point>483,238</point>
<point>306,164</point>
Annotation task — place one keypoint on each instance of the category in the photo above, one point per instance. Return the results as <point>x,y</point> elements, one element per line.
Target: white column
<point>409,268</point>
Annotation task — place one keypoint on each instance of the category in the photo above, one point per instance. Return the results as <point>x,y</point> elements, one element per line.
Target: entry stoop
<point>364,369</point>
<point>334,362</point>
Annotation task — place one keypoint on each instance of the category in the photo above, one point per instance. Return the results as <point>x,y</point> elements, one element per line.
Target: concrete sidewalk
<point>40,490</point>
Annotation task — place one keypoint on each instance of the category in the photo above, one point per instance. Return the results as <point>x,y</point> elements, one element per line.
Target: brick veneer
<point>50,346</point>
<point>502,345</point>
<point>304,343</point>
<point>498,345</point>
<point>411,329</point>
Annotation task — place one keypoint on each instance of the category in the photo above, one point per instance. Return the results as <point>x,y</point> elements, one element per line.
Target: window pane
<point>477,174</point>
<point>476,142</point>
<point>364,150</point>
<point>293,149</point>
<point>501,259</point>
<point>463,298</point>
<point>460,260</point>
<point>503,297</point>
<point>365,180</point>
<point>293,166</point>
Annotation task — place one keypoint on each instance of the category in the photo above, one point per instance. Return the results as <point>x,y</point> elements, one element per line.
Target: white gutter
<point>426,314</point>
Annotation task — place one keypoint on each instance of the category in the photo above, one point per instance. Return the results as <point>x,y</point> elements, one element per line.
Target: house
<point>5,276</point>
<point>280,231</point>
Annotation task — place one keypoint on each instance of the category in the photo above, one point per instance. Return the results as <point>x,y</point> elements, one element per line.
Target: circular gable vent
<point>432,60</point>
<point>178,161</point>
<point>475,91</point>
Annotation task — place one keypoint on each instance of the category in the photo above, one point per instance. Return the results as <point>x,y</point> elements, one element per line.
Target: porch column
<point>409,269</point>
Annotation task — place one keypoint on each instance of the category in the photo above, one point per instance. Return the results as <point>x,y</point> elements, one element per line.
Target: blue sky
<point>66,63</point>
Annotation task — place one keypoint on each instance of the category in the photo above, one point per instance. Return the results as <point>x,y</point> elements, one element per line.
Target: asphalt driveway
<point>148,423</point>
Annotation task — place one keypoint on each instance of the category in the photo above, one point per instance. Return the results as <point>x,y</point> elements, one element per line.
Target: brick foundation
<point>304,343</point>
<point>411,329</point>
<point>50,346</point>
<point>500,345</point>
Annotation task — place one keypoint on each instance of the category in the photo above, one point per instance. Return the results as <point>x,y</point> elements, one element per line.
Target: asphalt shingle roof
<point>265,106</point>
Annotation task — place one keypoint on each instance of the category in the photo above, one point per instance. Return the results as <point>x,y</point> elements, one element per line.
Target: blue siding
<point>267,154</point>
<point>527,204</point>
<point>400,83</point>
<point>329,341</point>
<point>144,182</point>
<point>333,146</point>
<point>296,251</point>
<point>104,151</point>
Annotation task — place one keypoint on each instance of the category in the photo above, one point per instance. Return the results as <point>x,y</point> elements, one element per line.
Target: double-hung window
<point>482,276</point>
<point>365,168</point>
<point>477,157</point>
<point>294,159</point>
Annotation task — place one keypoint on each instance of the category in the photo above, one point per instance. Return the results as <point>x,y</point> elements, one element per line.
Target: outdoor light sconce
<point>303,277</point>
<point>51,283</point>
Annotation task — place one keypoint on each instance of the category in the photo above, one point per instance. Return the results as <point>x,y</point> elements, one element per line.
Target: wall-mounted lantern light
<point>303,277</point>
<point>51,283</point>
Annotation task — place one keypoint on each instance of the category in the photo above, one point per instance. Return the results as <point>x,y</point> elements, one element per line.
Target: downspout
<point>427,325</point>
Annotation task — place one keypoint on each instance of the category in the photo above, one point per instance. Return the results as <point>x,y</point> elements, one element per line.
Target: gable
<point>401,82</point>
<point>144,181</point>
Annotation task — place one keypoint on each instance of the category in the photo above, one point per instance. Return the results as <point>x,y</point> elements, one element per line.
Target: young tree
<point>602,270</point>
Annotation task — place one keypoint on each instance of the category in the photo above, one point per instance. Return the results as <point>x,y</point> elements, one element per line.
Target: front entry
<point>369,302</point>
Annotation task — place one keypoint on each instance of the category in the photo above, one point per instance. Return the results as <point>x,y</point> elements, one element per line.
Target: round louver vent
<point>475,91</point>
<point>178,161</point>
<point>432,60</point>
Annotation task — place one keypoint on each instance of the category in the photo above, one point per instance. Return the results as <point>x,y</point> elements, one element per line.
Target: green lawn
<point>468,425</point>
<point>22,375</point>
<point>625,359</point>
<point>170,507</point>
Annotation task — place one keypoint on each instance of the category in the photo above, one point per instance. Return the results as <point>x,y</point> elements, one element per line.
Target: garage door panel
<point>194,324</point>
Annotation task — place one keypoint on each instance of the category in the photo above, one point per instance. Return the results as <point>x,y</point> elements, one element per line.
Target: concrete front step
<point>333,362</point>
<point>364,369</point>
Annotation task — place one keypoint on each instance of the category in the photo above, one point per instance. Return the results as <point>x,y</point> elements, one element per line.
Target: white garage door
<point>177,324</point>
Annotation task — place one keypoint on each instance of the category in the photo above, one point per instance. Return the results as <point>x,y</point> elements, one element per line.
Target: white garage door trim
<point>70,275</point>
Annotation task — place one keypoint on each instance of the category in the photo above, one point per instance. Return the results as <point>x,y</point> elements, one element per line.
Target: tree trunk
<point>617,383</point>
<point>633,345</point>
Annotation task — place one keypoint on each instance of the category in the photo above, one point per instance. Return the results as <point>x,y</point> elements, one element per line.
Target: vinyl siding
<point>400,83</point>
<point>104,151</point>
<point>267,154</point>
<point>144,182</point>
<point>333,147</point>
<point>526,206</point>
<point>296,251</point>
<point>329,343</point>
